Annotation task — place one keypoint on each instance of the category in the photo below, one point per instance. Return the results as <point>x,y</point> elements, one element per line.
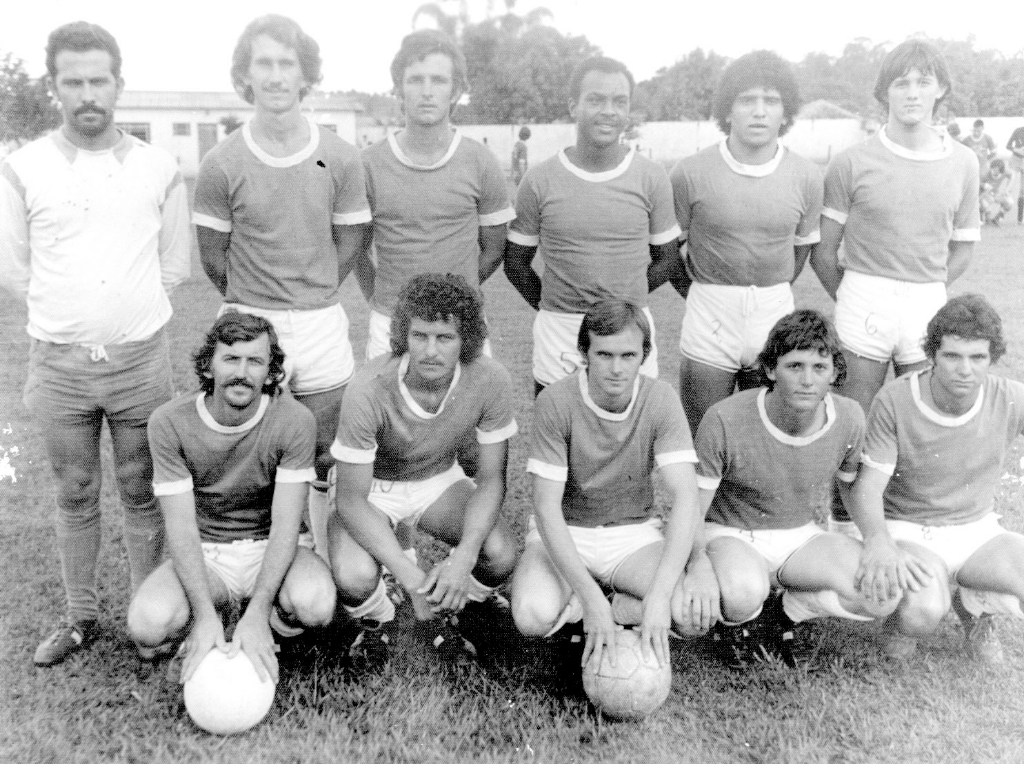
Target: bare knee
<point>153,621</point>
<point>356,579</point>
<point>535,615</point>
<point>921,612</point>
<point>498,557</point>
<point>312,603</point>
<point>742,595</point>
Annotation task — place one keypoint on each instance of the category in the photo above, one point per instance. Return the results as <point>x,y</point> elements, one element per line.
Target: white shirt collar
<point>597,177</point>
<point>289,161</point>
<point>611,416</point>
<point>751,170</point>
<point>213,424</point>
<point>919,156</point>
<point>402,157</point>
<point>417,409</point>
<point>946,420</point>
<point>796,440</point>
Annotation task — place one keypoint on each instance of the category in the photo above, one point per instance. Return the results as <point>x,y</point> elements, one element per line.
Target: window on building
<point>182,128</point>
<point>139,129</point>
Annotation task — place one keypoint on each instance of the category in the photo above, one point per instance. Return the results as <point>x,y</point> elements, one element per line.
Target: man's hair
<point>524,133</point>
<point>597,64</point>
<point>979,123</point>
<point>288,33</point>
<point>801,330</point>
<point>420,44</point>
<point>80,36</point>
<point>761,68</point>
<point>440,297</point>
<point>912,54</point>
<point>609,317</point>
<point>953,129</point>
<point>997,164</point>
<point>969,317</point>
<point>235,327</point>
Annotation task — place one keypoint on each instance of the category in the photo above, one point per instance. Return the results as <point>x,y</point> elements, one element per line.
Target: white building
<point>189,124</point>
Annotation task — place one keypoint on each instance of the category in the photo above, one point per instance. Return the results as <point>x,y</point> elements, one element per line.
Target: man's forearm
<point>520,272</point>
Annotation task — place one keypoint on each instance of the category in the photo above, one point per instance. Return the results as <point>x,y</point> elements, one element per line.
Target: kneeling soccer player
<point>936,445</point>
<point>232,467</point>
<point>598,436</point>
<point>768,458</point>
<point>402,420</point>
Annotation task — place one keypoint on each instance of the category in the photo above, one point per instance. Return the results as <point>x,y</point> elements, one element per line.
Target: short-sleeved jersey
<point>984,146</point>
<point>743,221</point>
<point>944,470</point>
<point>765,479</point>
<point>279,212</point>
<point>901,208</point>
<point>381,423</point>
<point>606,459</point>
<point>593,229</point>
<point>231,471</point>
<point>1016,140</point>
<point>428,219</point>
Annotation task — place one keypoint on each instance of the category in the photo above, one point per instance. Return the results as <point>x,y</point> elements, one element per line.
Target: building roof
<point>172,99</point>
<point>823,109</point>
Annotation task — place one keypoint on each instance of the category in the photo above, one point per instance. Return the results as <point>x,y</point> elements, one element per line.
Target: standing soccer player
<point>278,211</point>
<point>598,437</point>
<point>232,466</point>
<point>936,447</point>
<point>749,209</point>
<point>1016,147</point>
<point>402,422</point>
<point>521,155</point>
<point>94,235</point>
<point>602,217</point>
<point>439,199</point>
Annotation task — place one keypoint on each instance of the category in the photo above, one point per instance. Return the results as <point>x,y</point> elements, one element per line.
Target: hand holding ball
<point>631,689</point>
<point>225,695</point>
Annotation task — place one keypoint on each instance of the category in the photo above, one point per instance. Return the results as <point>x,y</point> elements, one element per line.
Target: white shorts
<point>238,563</point>
<point>605,548</point>
<point>953,544</point>
<point>405,501</point>
<point>555,354</point>
<point>881,318</point>
<point>775,545</point>
<point>318,354</point>
<point>378,339</point>
<point>726,326</point>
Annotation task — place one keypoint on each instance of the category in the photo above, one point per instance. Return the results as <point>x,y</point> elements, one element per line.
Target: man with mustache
<point>94,236</point>
<point>601,216</point>
<point>278,211</point>
<point>231,468</point>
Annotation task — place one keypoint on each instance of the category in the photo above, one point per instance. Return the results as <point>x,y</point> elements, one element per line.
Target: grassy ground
<point>844,704</point>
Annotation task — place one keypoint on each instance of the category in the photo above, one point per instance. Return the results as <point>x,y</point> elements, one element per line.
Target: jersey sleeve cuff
<point>353,455</point>
<point>306,475</point>
<point>547,471</point>
<point>173,488</point>
<point>836,215</point>
<point>209,221</point>
<point>812,238</point>
<point>888,469</point>
<point>522,239</point>
<point>665,237</point>
<point>708,483</point>
<point>966,234</point>
<point>675,457</point>
<point>497,218</point>
<point>497,436</point>
<point>351,218</point>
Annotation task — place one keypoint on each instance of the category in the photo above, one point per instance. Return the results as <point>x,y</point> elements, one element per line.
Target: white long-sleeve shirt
<point>93,240</point>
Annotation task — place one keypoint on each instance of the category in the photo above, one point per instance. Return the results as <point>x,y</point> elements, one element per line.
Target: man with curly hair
<point>231,470</point>
<point>748,209</point>
<point>402,420</point>
<point>278,211</point>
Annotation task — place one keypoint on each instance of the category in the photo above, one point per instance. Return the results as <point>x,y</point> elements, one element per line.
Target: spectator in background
<point>519,158</point>
<point>995,193</point>
<point>981,144</point>
<point>1016,147</point>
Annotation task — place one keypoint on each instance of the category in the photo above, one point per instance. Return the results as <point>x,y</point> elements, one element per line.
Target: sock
<point>977,603</point>
<point>143,540</point>
<point>377,607</point>
<point>802,606</point>
<point>78,540</point>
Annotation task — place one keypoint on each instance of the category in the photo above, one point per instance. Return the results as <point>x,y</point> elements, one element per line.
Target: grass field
<point>845,703</point>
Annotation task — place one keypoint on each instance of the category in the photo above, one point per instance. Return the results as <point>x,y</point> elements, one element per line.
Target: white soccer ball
<point>631,689</point>
<point>225,696</point>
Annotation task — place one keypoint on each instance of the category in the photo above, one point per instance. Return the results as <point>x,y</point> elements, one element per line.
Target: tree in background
<point>682,91</point>
<point>26,109</point>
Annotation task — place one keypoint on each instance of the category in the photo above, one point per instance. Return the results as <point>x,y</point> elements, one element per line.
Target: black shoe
<point>567,646</point>
<point>777,630</point>
<point>369,651</point>
<point>450,646</point>
<point>66,640</point>
<point>735,646</point>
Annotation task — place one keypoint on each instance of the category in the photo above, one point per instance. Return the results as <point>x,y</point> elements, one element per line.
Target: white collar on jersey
<point>402,157</point>
<point>289,161</point>
<point>751,170</point>
<point>796,440</point>
<point>417,409</point>
<point>213,424</point>
<point>919,156</point>
<point>597,177</point>
<point>611,416</point>
<point>945,420</point>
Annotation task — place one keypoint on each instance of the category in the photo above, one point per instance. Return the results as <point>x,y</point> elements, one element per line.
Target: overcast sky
<point>187,44</point>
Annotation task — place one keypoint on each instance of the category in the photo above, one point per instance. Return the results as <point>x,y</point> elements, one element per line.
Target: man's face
<point>912,97</point>
<point>240,371</point>
<point>613,361</point>
<point>275,75</point>
<point>428,90</point>
<point>87,90</point>
<point>602,111</point>
<point>434,348</point>
<point>802,378</point>
<point>977,131</point>
<point>756,117</point>
<point>960,367</point>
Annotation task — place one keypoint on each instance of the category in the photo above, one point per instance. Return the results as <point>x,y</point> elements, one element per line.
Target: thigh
<point>635,573</point>
<point>864,378</point>
<point>537,580</point>
<point>701,386</point>
<point>734,560</point>
<point>306,571</point>
<point>378,338</point>
<point>352,566</point>
<point>827,561</point>
<point>444,518</point>
<point>997,565</point>
<point>326,408</point>
<point>133,464</point>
